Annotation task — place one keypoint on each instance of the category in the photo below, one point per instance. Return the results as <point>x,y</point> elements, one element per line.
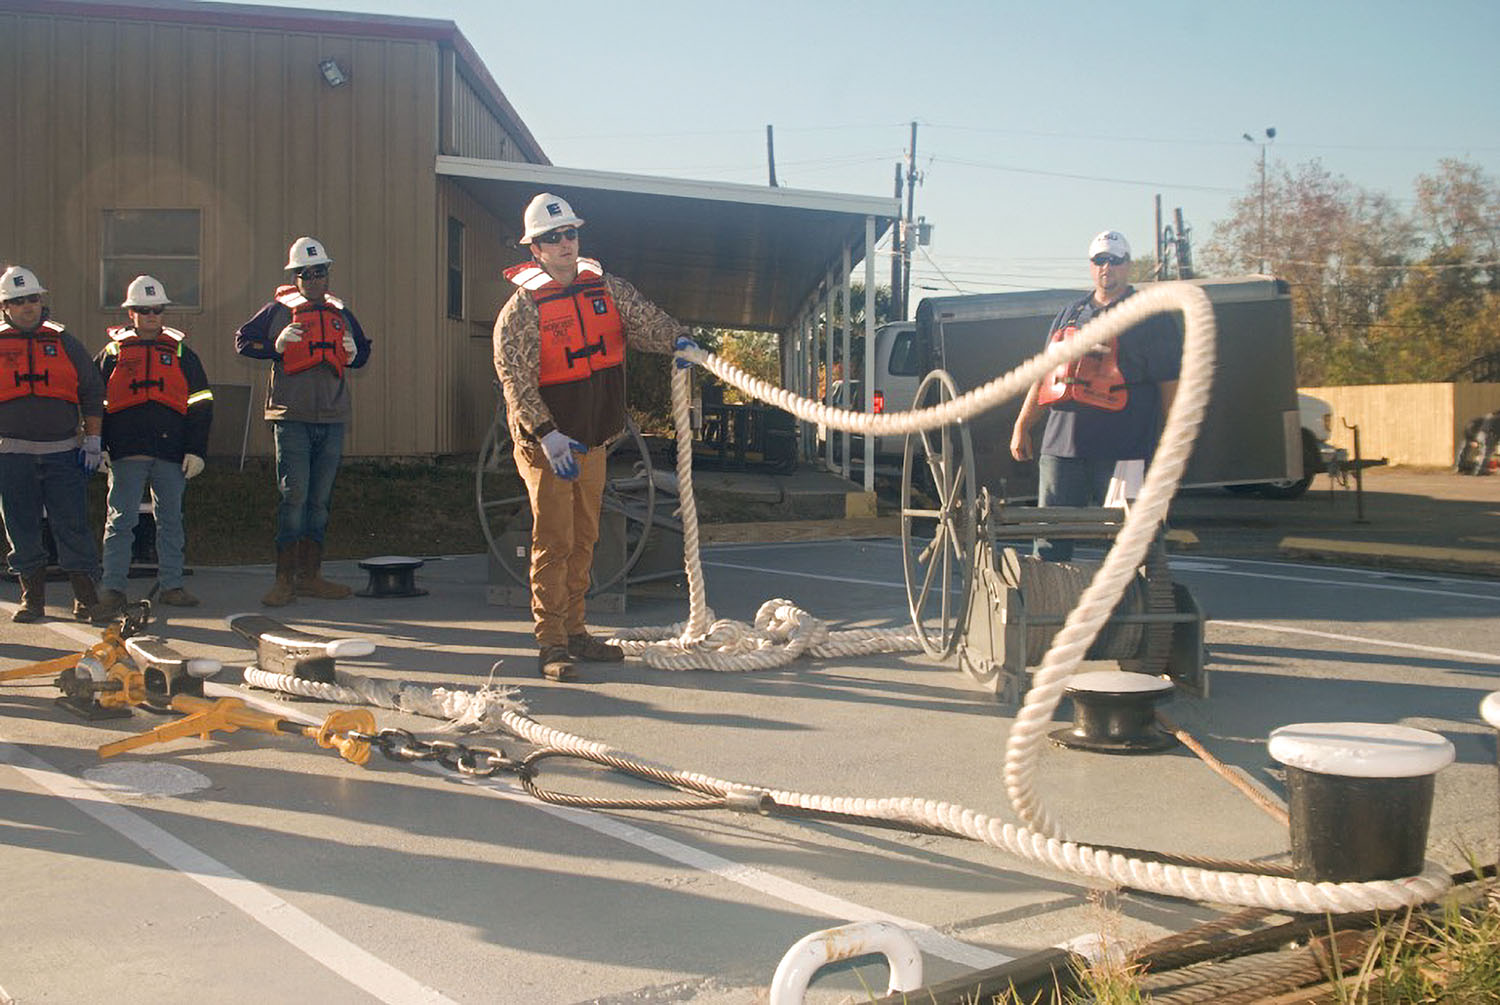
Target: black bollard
<point>392,576</point>
<point>1114,712</point>
<point>1360,796</point>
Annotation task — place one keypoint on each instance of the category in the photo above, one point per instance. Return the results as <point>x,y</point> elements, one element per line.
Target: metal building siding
<point>476,131</point>
<point>238,123</point>
<point>468,358</point>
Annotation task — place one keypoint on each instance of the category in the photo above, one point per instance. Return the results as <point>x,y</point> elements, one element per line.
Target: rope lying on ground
<point>460,708</point>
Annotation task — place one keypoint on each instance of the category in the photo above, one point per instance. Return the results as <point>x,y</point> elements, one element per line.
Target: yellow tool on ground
<point>99,683</point>
<point>202,716</point>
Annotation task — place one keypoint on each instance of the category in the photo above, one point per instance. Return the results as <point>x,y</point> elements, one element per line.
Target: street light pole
<point>1270,135</point>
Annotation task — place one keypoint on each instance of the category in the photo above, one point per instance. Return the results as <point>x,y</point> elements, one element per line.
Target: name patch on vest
<point>166,358</point>
<point>601,306</point>
<point>49,349</point>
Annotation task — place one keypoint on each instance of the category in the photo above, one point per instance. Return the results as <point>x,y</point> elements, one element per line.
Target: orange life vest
<point>36,364</point>
<point>323,330</point>
<point>581,331</point>
<point>1095,380</point>
<point>146,371</point>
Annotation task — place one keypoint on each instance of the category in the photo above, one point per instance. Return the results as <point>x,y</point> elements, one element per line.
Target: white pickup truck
<point>901,361</point>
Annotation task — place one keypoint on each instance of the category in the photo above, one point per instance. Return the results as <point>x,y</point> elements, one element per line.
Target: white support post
<point>844,326</point>
<point>870,347</point>
<point>828,362</point>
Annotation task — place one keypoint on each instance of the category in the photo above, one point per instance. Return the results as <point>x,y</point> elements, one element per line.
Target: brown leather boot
<point>284,592</point>
<point>33,598</point>
<point>585,647</point>
<point>85,599</point>
<point>310,581</point>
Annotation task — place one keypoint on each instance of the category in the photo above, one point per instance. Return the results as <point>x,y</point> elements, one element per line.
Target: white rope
<point>461,709</point>
<point>1246,889</point>
<point>703,643</point>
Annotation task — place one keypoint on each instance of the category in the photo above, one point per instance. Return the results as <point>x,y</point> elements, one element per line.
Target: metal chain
<point>404,745</point>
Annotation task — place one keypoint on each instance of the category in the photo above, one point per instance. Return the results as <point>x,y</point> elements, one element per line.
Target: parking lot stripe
<point>304,933</point>
<point>1261,626</point>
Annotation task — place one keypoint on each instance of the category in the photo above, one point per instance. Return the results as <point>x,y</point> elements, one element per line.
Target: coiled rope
<point>461,708</point>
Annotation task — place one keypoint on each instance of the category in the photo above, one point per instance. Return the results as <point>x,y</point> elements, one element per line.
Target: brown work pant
<point>564,527</point>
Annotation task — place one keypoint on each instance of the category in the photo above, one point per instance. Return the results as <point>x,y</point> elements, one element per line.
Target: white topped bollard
<point>811,953</point>
<point>1360,796</point>
<point>1114,712</point>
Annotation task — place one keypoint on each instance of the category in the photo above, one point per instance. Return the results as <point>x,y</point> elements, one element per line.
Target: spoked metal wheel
<point>938,522</point>
<point>505,510</point>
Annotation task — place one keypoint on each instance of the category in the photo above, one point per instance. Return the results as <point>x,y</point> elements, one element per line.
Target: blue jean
<point>127,482</point>
<point>1069,481</point>
<point>307,460</point>
<point>30,482</point>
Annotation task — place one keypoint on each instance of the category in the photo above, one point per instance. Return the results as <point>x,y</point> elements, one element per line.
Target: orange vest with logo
<point>323,330</point>
<point>36,364</point>
<point>581,331</point>
<point>1095,380</point>
<point>146,371</point>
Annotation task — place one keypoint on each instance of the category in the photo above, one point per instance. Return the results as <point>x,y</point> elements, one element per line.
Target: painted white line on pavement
<point>304,933</point>
<point>930,939</point>
<point>796,894</point>
<point>806,575</point>
<point>1362,640</point>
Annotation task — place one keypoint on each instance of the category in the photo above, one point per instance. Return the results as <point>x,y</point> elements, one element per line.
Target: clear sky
<point>1039,123</point>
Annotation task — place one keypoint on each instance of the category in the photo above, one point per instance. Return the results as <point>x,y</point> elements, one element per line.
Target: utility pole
<point>1270,135</point>
<point>1184,248</point>
<point>771,154</point>
<point>907,237</point>
<point>1161,245</point>
<point>898,310</point>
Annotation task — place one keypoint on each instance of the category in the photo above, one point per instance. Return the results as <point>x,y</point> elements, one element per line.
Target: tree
<point>1458,209</point>
<point>1441,318</point>
<point>1341,247</point>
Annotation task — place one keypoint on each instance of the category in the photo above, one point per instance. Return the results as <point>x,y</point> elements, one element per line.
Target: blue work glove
<point>683,342</point>
<point>560,450</point>
<point>90,455</point>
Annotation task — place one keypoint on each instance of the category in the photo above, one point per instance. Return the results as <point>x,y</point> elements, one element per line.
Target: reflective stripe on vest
<point>36,364</point>
<point>579,324</point>
<point>1095,380</point>
<point>146,370</point>
<point>323,329</point>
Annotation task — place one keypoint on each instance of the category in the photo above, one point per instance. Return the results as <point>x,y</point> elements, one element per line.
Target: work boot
<point>554,664</point>
<point>33,598</point>
<point>110,606</point>
<point>310,581</point>
<point>178,597</point>
<point>85,599</point>
<point>285,591</point>
<point>585,647</point>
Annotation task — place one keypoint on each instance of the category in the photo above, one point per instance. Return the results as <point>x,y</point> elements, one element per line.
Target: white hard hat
<point>19,281</point>
<point>548,212</point>
<point>307,251</point>
<point>1109,242</point>
<point>145,291</point>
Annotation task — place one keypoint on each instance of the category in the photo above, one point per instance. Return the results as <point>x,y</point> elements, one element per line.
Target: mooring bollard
<point>1360,796</point>
<point>1114,712</point>
<point>392,576</point>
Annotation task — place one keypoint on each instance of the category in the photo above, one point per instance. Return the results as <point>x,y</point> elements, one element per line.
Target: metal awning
<point>732,256</point>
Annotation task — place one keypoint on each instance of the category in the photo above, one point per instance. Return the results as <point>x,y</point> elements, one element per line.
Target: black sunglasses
<point>1107,260</point>
<point>148,310</point>
<point>314,272</point>
<point>32,298</point>
<point>557,236</point>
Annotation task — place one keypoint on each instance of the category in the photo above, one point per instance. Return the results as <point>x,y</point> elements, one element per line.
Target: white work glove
<point>349,347</point>
<point>683,342</point>
<point>192,465</point>
<point>560,449</point>
<point>90,455</point>
<point>291,333</point>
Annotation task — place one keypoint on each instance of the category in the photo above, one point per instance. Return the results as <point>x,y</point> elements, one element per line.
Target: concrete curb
<point>1475,561</point>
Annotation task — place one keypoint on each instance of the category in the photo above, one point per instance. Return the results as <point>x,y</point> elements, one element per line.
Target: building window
<point>455,268</point>
<point>164,243</point>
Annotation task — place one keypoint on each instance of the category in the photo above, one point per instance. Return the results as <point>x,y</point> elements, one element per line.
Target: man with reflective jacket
<point>157,412</point>
<point>48,389</point>
<point>560,347</point>
<point>313,340</point>
<point>1104,408</point>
